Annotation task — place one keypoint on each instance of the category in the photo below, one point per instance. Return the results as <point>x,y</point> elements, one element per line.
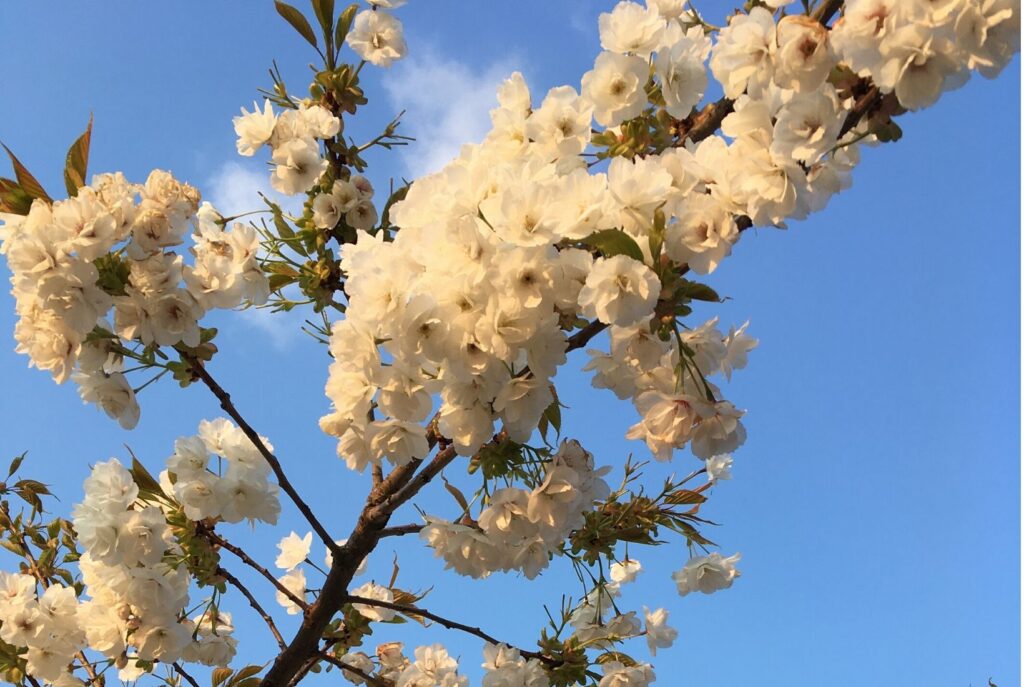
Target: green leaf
<point>399,195</point>
<point>99,334</point>
<point>324,10</point>
<point>656,239</point>
<point>244,677</point>
<point>551,417</point>
<point>13,546</point>
<point>33,486</point>
<point>113,274</point>
<point>284,230</point>
<point>612,242</point>
<point>15,464</point>
<point>219,675</point>
<point>77,161</point>
<point>26,181</point>
<point>298,22</point>
<point>616,656</point>
<point>459,497</point>
<point>279,281</point>
<point>144,480</point>
<point>13,199</point>
<point>685,496</point>
<point>344,24</point>
<point>700,292</point>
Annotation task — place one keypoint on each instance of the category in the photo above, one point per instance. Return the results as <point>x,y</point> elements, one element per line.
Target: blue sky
<point>876,501</point>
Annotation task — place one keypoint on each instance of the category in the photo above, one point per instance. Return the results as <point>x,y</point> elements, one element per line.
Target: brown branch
<point>861,107</point>
<point>245,558</point>
<point>275,465</point>
<point>582,337</point>
<point>375,680</point>
<point>303,671</point>
<point>396,489</point>
<point>826,10</point>
<point>237,584</point>
<point>400,530</point>
<point>360,543</point>
<point>445,622</point>
<point>181,671</point>
<point>407,491</point>
<point>706,122</point>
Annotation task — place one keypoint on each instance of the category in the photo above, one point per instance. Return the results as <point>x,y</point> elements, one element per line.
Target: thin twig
<point>237,584</point>
<point>370,679</point>
<point>245,558</point>
<point>826,10</point>
<point>864,104</point>
<point>181,671</point>
<point>407,491</point>
<point>447,623</point>
<point>303,671</point>
<point>400,530</point>
<point>275,465</point>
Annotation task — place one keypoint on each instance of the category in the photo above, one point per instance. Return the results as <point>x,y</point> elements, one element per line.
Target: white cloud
<point>234,189</point>
<point>283,329</point>
<point>446,103</point>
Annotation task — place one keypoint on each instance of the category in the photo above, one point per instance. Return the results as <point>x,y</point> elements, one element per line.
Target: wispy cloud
<point>234,189</point>
<point>446,103</point>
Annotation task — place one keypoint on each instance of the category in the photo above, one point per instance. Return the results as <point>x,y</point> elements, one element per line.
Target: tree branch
<point>445,622</point>
<point>452,625</point>
<point>275,465</point>
<point>245,558</point>
<point>826,10</point>
<point>370,679</point>
<point>181,671</point>
<point>400,530</point>
<point>391,503</point>
<point>237,584</point>
<point>583,336</point>
<point>863,106</point>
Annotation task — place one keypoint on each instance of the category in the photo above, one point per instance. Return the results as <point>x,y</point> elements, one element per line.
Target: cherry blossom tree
<point>445,306</point>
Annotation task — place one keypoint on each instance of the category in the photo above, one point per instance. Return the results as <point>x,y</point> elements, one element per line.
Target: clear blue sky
<point>876,502</point>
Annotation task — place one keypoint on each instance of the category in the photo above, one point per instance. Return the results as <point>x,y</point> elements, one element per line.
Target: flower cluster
<point>239,489</point>
<point>376,35</point>
<point>675,411</point>
<point>520,529</point>
<point>505,667</point>
<point>433,667</point>
<point>293,137</point>
<point>588,211</point>
<point>108,247</point>
<point>635,39</point>
<point>351,199</point>
<point>137,587</point>
<point>707,574</point>
<point>595,624</point>
<point>47,625</point>
<point>919,49</point>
